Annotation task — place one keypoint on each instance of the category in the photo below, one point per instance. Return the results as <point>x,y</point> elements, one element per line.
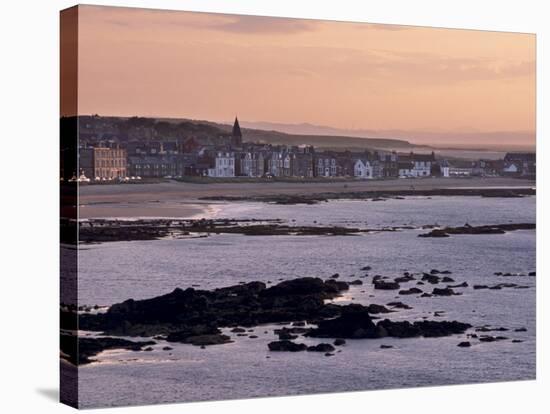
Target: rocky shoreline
<point>110,230</point>
<point>375,195</point>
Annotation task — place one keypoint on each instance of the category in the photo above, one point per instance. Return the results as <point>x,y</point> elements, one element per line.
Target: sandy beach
<point>177,199</point>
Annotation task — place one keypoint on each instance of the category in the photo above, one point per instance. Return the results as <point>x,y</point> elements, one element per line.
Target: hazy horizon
<point>426,85</point>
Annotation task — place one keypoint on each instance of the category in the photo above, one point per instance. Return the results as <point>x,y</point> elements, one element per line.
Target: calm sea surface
<point>113,272</point>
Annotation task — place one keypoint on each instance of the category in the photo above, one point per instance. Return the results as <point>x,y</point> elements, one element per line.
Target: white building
<point>363,169</point>
<point>511,168</point>
<point>416,165</point>
<point>224,165</point>
<point>444,168</point>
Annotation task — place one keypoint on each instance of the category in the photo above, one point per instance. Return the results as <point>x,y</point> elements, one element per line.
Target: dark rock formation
<point>249,304</point>
<point>488,229</point>
<point>411,291</point>
<point>426,277</point>
<point>383,285</point>
<point>399,305</point>
<point>104,230</point>
<point>461,285</point>
<point>404,279</point>
<point>199,335</point>
<point>89,347</point>
<point>374,309</point>
<point>286,346</point>
<point>354,322</point>
<point>444,292</point>
<point>320,348</point>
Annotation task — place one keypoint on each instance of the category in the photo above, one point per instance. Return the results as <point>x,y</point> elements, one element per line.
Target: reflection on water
<point>113,272</point>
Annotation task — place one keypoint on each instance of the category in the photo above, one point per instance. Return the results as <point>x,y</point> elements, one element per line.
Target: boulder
<point>199,335</point>
<point>426,277</point>
<point>375,309</point>
<point>320,348</point>
<point>461,285</point>
<point>383,285</point>
<point>404,279</point>
<point>286,346</point>
<point>444,292</point>
<point>353,322</point>
<point>399,305</point>
<point>478,287</point>
<point>411,291</point>
<point>238,330</point>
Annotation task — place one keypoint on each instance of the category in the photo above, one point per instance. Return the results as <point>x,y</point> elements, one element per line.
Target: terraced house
<point>103,163</point>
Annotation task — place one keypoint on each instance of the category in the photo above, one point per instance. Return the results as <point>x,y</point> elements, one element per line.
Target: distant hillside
<point>319,140</point>
<point>141,128</point>
<point>323,141</point>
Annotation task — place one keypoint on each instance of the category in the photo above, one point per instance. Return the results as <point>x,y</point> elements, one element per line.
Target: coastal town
<point>141,152</point>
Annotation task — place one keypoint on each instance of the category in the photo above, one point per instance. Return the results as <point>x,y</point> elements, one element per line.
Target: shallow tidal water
<point>113,272</point>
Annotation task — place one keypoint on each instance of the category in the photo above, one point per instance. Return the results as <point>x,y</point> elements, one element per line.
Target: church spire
<point>236,128</point>
<point>237,137</point>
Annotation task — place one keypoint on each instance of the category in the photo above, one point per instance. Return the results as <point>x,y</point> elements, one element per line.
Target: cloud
<point>239,24</point>
<point>269,25</point>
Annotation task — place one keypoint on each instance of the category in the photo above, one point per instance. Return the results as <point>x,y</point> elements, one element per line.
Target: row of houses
<point>227,156</point>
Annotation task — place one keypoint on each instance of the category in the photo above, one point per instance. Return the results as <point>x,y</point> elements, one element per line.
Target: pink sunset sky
<point>350,76</point>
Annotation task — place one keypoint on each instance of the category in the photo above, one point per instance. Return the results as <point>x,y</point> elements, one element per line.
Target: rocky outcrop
<point>320,348</point>
<point>286,346</point>
<point>104,230</point>
<point>249,304</point>
<point>444,292</point>
<point>411,291</point>
<point>79,350</point>
<point>200,335</point>
<point>195,317</point>
<point>487,229</point>
<point>355,323</point>
<point>385,285</point>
